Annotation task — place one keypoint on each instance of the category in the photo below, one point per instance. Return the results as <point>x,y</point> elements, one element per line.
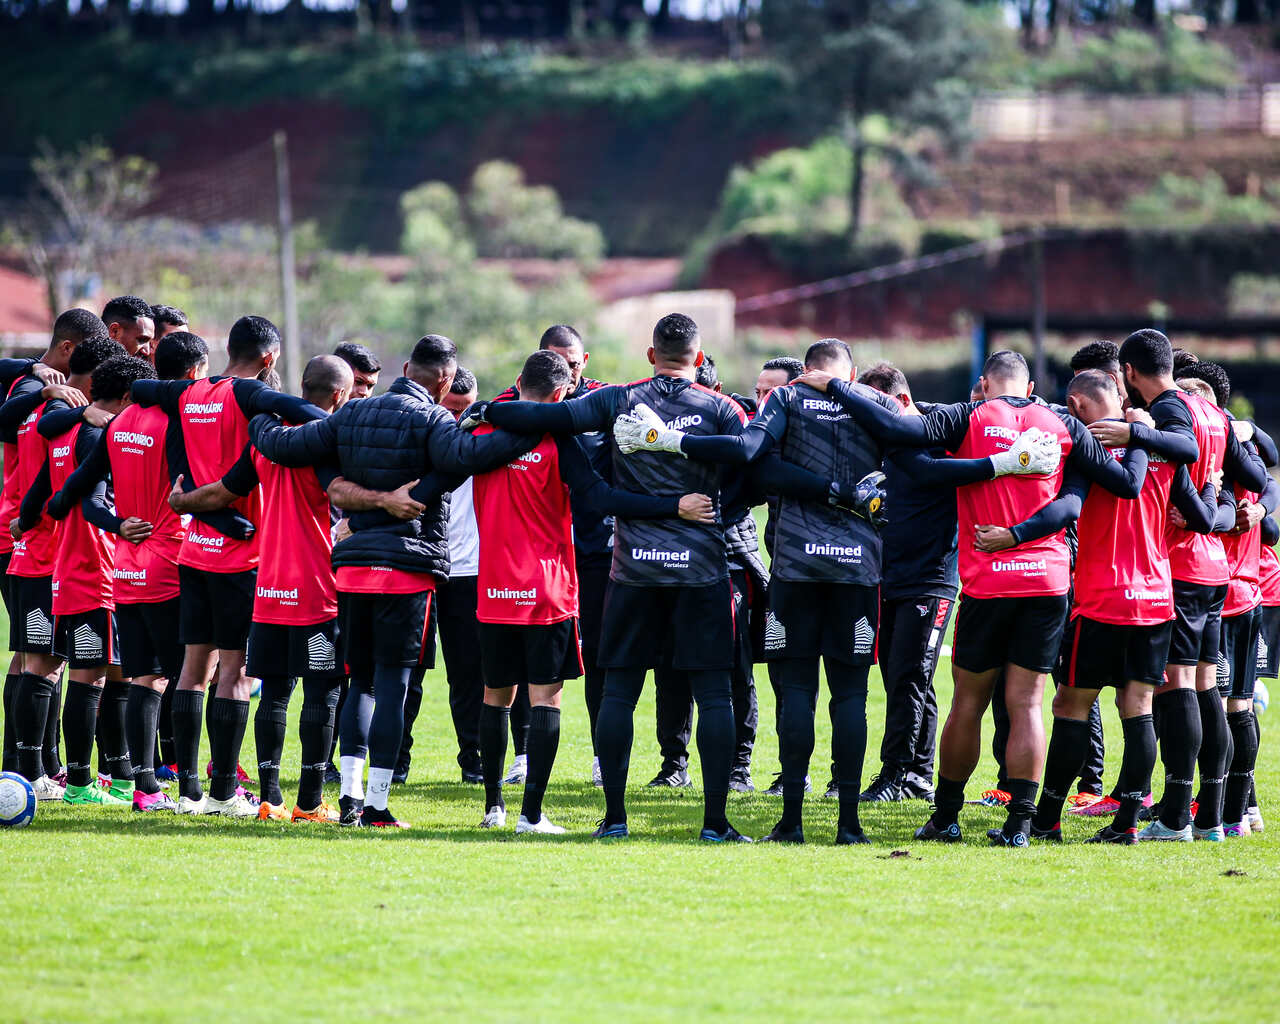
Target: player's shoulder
<point>586,384</point>
<point>724,402</point>
<point>510,394</point>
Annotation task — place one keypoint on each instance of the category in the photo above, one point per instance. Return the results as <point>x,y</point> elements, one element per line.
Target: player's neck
<point>80,381</point>
<point>669,370</point>
<point>245,371</point>
<point>1151,388</point>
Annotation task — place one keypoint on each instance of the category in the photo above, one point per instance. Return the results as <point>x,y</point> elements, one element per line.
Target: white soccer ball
<point>17,801</point>
<point>1261,697</point>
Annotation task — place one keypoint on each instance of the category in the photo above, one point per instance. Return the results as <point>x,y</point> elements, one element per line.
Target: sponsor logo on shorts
<point>775,634</point>
<point>321,655</point>
<point>1040,565</point>
<point>39,627</point>
<point>864,636</point>
<point>1224,671</point>
<point>86,642</point>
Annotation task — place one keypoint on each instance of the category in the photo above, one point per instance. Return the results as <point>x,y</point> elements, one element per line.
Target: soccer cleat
<point>1111,834</point>
<point>779,834</point>
<point>541,827</point>
<point>1099,807</point>
<point>1083,799</point>
<point>472,778</point>
<point>671,778</point>
<point>776,788</point>
<point>832,792</point>
<point>242,776</point>
<point>1048,835</point>
<point>998,838</point>
<point>349,810</point>
<point>188,806</point>
<point>1214,834</point>
<point>885,788</point>
<point>104,781</point>
<point>324,814</point>
<point>606,831</point>
<point>122,790</point>
<point>517,772</point>
<point>994,798</point>
<point>59,779</point>
<point>1255,820</point>
<point>92,795</point>
<point>740,781</point>
<point>146,802</point>
<point>848,837</point>
<point>597,779</point>
<point>331,774</point>
<point>272,812</point>
<point>167,773</point>
<point>399,778</point>
<point>1233,830</point>
<point>729,835</point>
<point>46,789</point>
<point>1195,806</point>
<point>916,787</point>
<point>380,817</point>
<point>930,832</point>
<point>1157,831</point>
<point>236,807</point>
<point>494,817</point>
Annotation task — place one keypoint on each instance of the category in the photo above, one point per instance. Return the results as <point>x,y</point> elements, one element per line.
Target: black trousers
<point>911,634</point>
<point>460,645</point>
<point>673,696</point>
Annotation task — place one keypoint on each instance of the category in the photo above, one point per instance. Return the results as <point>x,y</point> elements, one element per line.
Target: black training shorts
<point>31,621</point>
<point>540,655</point>
<point>387,629</point>
<point>149,639</point>
<point>835,620</point>
<point>1269,643</point>
<point>992,632</point>
<point>216,607</point>
<point>1097,654</point>
<point>687,627</point>
<point>293,651</point>
<point>593,584</point>
<point>1238,658</point>
<point>87,639</point>
<point>1197,625</point>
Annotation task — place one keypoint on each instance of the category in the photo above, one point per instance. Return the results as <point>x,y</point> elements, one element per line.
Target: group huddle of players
<point>175,536</point>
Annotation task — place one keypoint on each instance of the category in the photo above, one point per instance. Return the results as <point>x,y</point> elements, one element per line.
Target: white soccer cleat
<point>597,778</point>
<point>518,771</point>
<point>541,827</point>
<point>1255,820</point>
<point>236,807</point>
<point>188,806</point>
<point>47,790</point>
<point>495,817</point>
<point>1159,832</point>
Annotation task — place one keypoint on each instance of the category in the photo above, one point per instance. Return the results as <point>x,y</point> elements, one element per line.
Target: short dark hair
<point>675,336</point>
<point>1006,365</point>
<point>434,352</point>
<point>358,357</point>
<point>464,382</point>
<point>170,315</point>
<point>178,353</point>
<point>1213,375</point>
<point>544,372</point>
<point>887,379</point>
<point>789,365</point>
<point>1148,352</point>
<point>1097,355</point>
<point>77,326</point>
<point>559,336</point>
<point>114,377</point>
<point>92,353</point>
<point>1182,359</point>
<point>125,307</point>
<point>252,337</point>
<point>324,374</point>
<point>825,352</point>
<point>1094,384</point>
<point>706,374</point>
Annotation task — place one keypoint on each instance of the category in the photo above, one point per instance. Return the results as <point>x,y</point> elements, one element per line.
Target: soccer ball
<point>17,801</point>
<point>1261,697</point>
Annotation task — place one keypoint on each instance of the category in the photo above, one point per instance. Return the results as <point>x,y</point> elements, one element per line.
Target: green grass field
<point>112,916</point>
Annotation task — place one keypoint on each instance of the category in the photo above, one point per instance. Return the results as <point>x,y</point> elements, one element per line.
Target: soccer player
<point>364,365</point>
<point>387,571</point>
<point>167,320</point>
<point>669,585</point>
<point>1013,604</point>
<point>130,321</point>
<point>217,572</point>
<point>1121,619</point>
<point>33,566</point>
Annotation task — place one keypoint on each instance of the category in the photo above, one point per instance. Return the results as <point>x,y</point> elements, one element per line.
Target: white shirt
<point>464,535</point>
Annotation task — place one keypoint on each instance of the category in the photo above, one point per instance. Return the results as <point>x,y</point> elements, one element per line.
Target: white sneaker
<point>495,817</point>
<point>47,789</point>
<point>188,806</point>
<point>516,774</point>
<point>1159,832</point>
<point>236,807</point>
<point>597,779</point>
<point>542,827</point>
<point>1255,820</point>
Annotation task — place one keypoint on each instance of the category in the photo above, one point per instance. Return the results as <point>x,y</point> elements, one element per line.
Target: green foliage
<point>511,219</point>
<point>1132,61</point>
<point>1254,295</point>
<point>1179,202</point>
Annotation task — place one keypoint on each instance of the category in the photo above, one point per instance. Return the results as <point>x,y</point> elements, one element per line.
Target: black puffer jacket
<point>383,443</point>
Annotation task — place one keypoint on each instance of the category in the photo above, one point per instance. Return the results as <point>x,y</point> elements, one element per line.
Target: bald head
<point>327,381</point>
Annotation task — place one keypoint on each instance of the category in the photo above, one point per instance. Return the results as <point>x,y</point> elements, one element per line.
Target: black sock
<point>10,760</point>
<point>948,798</point>
<point>188,711</point>
<point>717,738</point>
<point>168,748</point>
<point>315,730</point>
<point>1022,801</point>
<point>1240,778</point>
<point>52,730</point>
<point>31,701</point>
<point>798,681</point>
<point>210,695</point>
<point>521,711</point>
<point>1214,757</point>
<point>113,740</point>
<point>493,751</point>
<point>1135,770</point>
<point>848,686</point>
<point>79,720</point>
<point>269,726</point>
<point>1068,747</point>
<point>229,718</point>
<point>1180,736</point>
<point>142,711</point>
<point>544,741</point>
<point>615,731</point>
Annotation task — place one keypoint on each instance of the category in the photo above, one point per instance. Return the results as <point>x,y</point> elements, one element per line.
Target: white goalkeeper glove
<point>642,430</point>
<point>1034,451</point>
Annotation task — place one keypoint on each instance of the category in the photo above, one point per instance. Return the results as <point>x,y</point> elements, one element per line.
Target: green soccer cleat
<point>93,795</point>
<point>121,790</point>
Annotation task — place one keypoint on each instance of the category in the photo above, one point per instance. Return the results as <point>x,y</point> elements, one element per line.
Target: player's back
<point>33,554</point>
<point>1200,557</point>
<point>295,583</point>
<point>85,556</point>
<point>1244,563</point>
